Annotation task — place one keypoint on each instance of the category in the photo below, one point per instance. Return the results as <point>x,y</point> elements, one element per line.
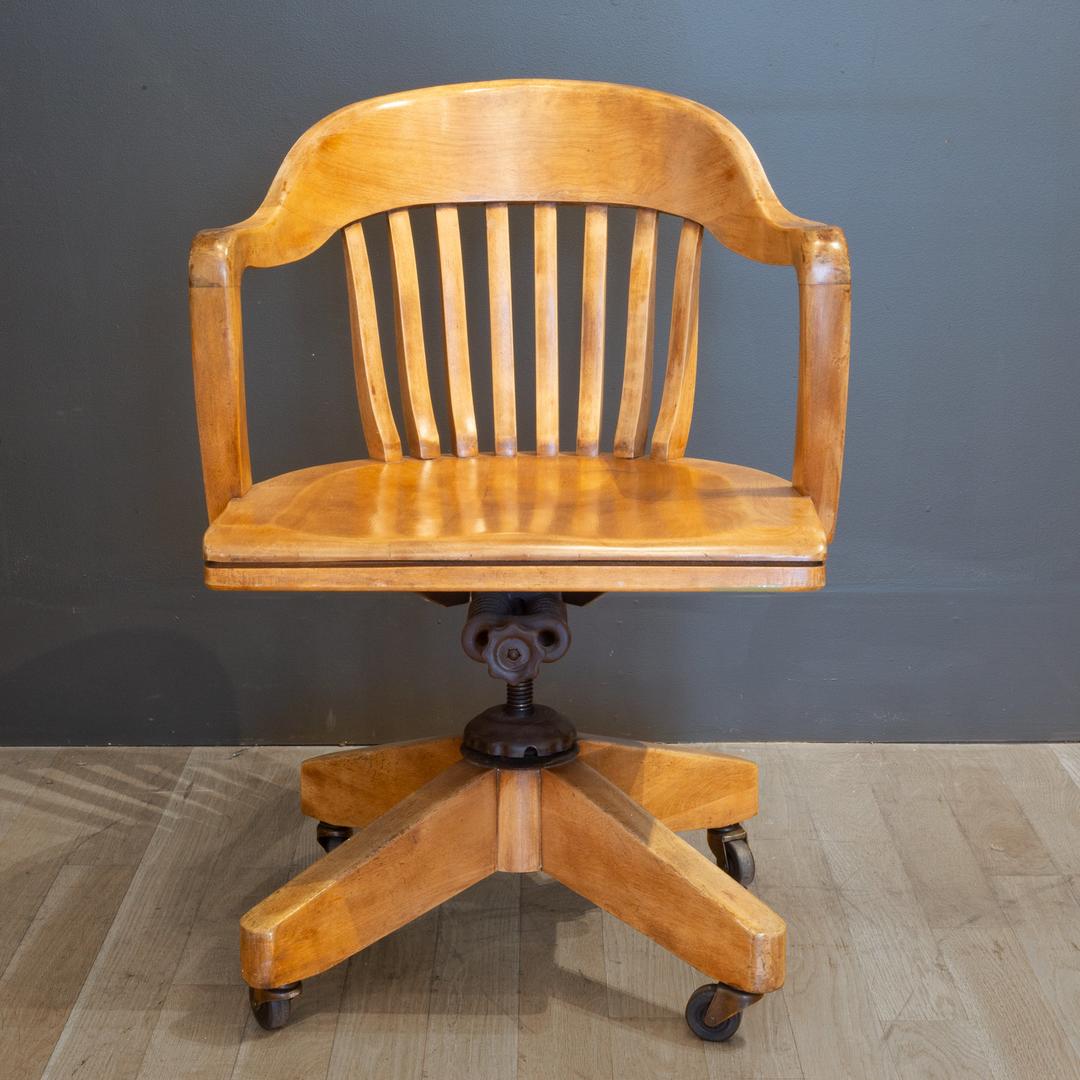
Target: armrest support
<point>217,352</point>
<point>821,263</point>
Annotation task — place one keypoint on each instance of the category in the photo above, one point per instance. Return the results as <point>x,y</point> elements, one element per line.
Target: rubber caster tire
<point>271,1008</point>
<point>733,854</point>
<point>698,1006</point>
<point>331,836</point>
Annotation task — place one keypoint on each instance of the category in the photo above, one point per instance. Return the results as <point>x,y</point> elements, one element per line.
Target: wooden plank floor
<point>932,894</point>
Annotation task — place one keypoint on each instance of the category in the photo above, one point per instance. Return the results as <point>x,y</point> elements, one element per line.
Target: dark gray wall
<point>942,137</point>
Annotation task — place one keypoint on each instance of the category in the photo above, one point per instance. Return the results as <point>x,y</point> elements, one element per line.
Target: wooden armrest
<point>217,352</point>
<point>820,258</point>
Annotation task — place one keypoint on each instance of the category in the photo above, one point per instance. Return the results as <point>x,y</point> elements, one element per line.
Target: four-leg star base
<point>427,824</point>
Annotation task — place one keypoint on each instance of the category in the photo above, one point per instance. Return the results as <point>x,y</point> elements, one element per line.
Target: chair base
<point>428,824</point>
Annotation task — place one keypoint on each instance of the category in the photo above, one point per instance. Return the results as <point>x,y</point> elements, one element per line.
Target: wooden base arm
<point>685,787</point>
<point>429,847</point>
<point>430,824</point>
<point>354,787</point>
<point>605,847</point>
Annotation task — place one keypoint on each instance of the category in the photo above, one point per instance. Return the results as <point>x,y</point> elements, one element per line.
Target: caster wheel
<point>698,1006</point>
<point>272,1015</point>
<point>331,836</point>
<point>733,854</point>
<point>271,1007</point>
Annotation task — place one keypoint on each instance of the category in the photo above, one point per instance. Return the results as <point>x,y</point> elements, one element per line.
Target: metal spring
<point>550,604</point>
<point>508,604</point>
<point>520,697</point>
<point>490,604</point>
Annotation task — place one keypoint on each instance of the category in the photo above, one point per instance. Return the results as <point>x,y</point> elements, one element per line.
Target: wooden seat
<point>427,511</point>
<point>366,520</point>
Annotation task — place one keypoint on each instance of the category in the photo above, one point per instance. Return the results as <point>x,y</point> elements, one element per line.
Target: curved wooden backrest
<point>422,435</point>
<point>541,142</point>
<point>519,140</point>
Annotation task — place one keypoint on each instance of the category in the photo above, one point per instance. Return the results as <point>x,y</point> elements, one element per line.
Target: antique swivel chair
<point>519,534</point>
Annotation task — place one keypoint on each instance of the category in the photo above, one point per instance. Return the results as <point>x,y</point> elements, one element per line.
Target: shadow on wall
<point>139,686</point>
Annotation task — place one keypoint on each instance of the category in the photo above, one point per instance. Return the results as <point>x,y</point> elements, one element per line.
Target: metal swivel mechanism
<point>514,633</point>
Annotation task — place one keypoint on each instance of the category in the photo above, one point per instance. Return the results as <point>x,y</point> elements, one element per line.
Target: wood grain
<point>519,843</point>
<point>382,1025</point>
<point>520,140</point>
<point>1025,1036</point>
<point>912,775</point>
<point>423,435</point>
<point>680,377</point>
<point>633,422</point>
<point>385,876</point>
<point>824,349</point>
<point>603,846</point>
<point>376,416</point>
<point>522,577</point>
<point>354,787</point>
<point>42,982</point>
<point>455,332</point>
<point>1046,783</point>
<point>562,985</point>
<point>524,508</point>
<point>593,312</point>
<point>685,787</point>
<point>939,1050</point>
<point>1044,915</point>
<point>207,1047</point>
<point>217,353</point>
<point>476,944</point>
<point>546,323</point>
<point>500,302</point>
<point>214,804</point>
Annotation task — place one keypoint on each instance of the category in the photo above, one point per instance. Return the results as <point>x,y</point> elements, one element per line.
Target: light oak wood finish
<point>522,577</point>
<point>600,519</point>
<point>146,994</point>
<point>544,143</point>
<point>673,422</point>
<point>388,874</point>
<point>526,141</point>
<point>422,432</point>
<point>354,787</point>
<point>633,420</point>
<point>376,416</point>
<point>519,842</point>
<point>593,308</point>
<point>685,787</point>
<point>824,347</point>
<point>455,332</point>
<point>570,820</point>
<point>605,847</point>
<point>500,306</point>
<point>546,322</point>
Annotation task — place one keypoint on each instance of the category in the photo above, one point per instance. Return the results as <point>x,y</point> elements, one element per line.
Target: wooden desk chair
<point>408,826</point>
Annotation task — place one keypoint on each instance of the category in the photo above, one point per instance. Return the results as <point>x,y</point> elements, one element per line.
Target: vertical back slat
<point>455,332</point>
<point>593,310</point>
<point>677,404</point>
<point>380,431</point>
<point>423,434</point>
<point>633,422</point>
<point>547,328</point>
<point>503,392</point>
